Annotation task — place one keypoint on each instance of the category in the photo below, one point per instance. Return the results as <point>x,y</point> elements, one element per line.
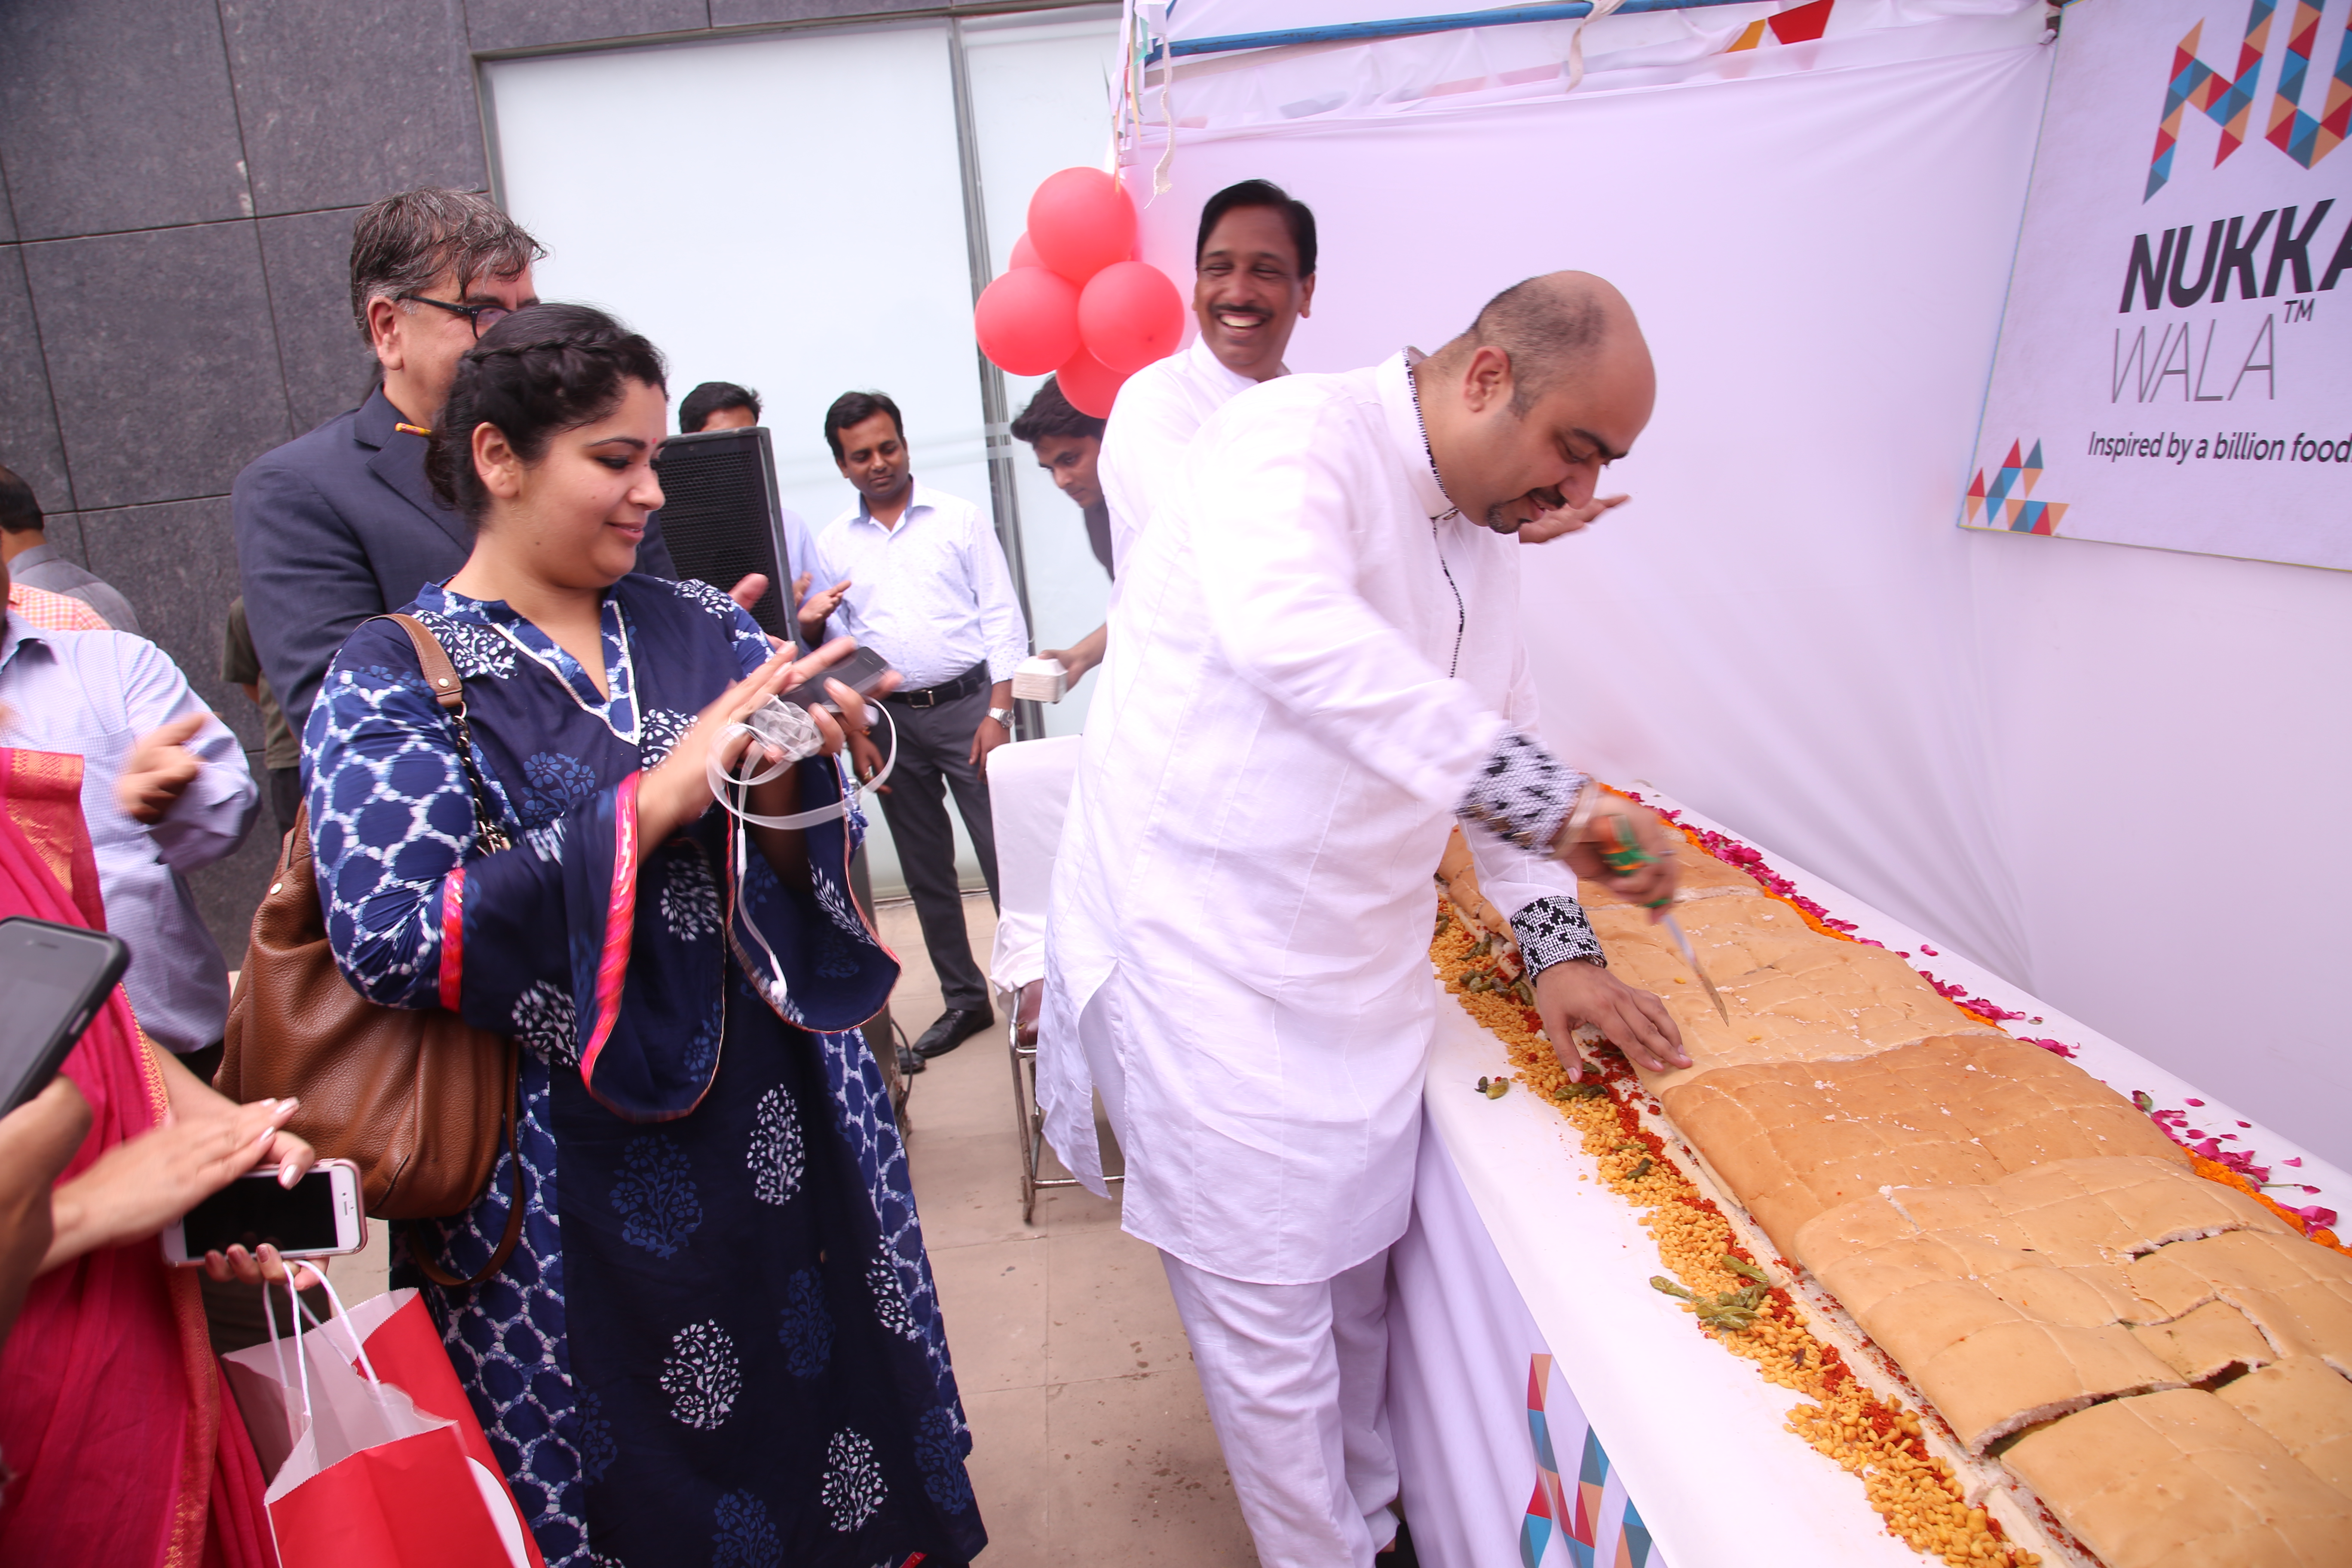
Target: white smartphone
<point>318,1216</point>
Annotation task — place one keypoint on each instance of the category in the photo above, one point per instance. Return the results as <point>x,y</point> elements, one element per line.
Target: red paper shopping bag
<point>412,1502</point>
<point>369,1477</point>
<point>405,1350</point>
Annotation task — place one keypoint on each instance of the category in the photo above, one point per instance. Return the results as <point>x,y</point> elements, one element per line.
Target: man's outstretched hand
<point>1635,1021</point>
<point>159,770</point>
<point>1551,524</point>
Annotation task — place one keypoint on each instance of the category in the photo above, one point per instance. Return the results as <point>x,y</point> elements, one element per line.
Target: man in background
<point>723,405</point>
<point>917,576</point>
<point>281,749</point>
<point>1068,444</point>
<point>34,562</point>
<point>1252,280</point>
<point>165,791</point>
<point>341,524</point>
<point>718,406</point>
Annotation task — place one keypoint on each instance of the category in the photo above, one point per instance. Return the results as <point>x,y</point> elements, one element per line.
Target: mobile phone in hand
<point>54,978</point>
<point>862,671</point>
<point>318,1216</point>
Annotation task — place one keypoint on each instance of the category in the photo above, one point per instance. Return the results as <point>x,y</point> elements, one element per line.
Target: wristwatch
<point>1002,716</point>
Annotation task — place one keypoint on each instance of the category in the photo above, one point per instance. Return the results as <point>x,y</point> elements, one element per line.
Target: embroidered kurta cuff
<point>1554,930</point>
<point>1522,794</point>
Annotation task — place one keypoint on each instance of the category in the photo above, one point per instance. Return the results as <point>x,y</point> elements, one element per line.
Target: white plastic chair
<point>1029,788</point>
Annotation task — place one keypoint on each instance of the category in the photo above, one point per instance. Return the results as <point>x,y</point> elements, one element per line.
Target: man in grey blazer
<point>341,524</point>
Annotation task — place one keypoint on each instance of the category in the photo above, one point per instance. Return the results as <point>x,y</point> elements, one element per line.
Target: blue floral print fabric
<point>718,1341</point>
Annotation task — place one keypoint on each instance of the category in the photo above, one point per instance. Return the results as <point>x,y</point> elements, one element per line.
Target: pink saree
<point>125,1449</point>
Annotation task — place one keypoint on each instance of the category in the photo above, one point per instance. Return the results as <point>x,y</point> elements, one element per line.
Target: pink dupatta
<point>112,1416</point>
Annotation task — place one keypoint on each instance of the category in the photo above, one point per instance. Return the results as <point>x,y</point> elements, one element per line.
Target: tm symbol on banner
<point>2298,310</point>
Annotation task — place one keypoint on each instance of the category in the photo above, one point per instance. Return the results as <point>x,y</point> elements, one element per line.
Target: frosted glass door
<point>783,212</point>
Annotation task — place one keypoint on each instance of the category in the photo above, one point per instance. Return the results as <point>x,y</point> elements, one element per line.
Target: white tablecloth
<point>1512,1256</point>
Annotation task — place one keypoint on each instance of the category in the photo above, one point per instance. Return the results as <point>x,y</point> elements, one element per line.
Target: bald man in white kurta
<point>1315,671</point>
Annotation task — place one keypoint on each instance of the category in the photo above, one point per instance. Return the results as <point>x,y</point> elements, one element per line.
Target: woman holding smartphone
<point>122,1446</point>
<point>717,1338</point>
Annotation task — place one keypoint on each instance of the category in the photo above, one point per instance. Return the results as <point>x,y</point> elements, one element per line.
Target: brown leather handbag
<point>420,1100</point>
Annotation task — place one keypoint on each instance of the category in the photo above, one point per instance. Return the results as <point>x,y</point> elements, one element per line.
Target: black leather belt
<point>964,685</point>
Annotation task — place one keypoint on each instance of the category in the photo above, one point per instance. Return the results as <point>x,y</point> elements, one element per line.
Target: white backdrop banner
<point>1984,734</point>
<point>2175,364</point>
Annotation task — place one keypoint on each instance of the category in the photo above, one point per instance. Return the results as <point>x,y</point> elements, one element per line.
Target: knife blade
<point>1675,928</point>
<point>1629,855</point>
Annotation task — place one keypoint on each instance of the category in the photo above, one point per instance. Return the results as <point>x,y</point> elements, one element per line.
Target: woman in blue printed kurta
<point>718,1341</point>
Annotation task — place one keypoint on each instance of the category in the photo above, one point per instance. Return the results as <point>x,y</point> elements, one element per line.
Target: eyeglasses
<point>482,318</point>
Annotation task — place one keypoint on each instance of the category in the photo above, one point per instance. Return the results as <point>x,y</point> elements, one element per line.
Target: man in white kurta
<point>1253,279</point>
<point>1315,670</point>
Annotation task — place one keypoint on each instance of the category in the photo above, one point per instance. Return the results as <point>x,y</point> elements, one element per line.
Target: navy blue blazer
<point>341,524</point>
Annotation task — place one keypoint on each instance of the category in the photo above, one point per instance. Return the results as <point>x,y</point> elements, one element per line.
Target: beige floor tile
<point>1137,1476</point>
<point>1091,1444</point>
<point>966,1189</point>
<point>1110,1310</point>
<point>1007,1468</point>
<point>994,1295</point>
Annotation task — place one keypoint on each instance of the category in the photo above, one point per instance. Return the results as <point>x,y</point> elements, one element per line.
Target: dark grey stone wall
<point>177,183</point>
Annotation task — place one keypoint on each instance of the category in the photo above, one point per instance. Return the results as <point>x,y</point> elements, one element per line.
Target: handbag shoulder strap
<point>432,659</point>
<point>441,674</point>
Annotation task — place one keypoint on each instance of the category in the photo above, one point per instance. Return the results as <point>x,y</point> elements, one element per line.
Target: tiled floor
<point>1090,1445</point>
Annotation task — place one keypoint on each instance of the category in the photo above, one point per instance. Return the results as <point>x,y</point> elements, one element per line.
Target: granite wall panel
<point>533,24</point>
<point>29,443</point>
<point>161,358</point>
<point>341,104</point>
<point>228,891</point>
<point>117,114</point>
<point>309,260</point>
<point>743,13</point>
<point>176,563</point>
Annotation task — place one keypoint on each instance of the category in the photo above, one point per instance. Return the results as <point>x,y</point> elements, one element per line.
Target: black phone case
<point>69,1029</point>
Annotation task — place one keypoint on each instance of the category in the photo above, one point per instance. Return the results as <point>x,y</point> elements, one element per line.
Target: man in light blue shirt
<point>165,790</point>
<point>917,576</point>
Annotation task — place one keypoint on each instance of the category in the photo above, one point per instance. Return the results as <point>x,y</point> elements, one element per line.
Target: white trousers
<point>1297,1381</point>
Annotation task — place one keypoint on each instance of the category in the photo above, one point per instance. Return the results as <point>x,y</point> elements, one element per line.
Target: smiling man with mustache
<point>1253,278</point>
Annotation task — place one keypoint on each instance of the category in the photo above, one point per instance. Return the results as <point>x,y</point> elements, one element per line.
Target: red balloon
<point>1023,254</point>
<point>1080,222</point>
<point>1130,314</point>
<point>1027,321</point>
<point>1090,387</point>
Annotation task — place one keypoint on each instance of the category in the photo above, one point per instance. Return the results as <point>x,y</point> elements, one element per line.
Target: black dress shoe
<point>952,1029</point>
<point>909,1064</point>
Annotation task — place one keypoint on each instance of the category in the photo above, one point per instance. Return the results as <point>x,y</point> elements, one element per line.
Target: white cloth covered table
<point>1562,1267</point>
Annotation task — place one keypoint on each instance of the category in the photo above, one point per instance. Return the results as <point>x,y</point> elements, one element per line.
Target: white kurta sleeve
<point>1273,531</point>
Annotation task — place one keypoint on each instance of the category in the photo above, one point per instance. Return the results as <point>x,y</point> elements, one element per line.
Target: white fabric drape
<point>1992,737</point>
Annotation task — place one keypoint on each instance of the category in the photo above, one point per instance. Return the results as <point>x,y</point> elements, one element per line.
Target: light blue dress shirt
<point>932,595</point>
<point>94,694</point>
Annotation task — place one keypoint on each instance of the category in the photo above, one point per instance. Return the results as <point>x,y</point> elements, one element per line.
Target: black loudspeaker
<point>722,520</point>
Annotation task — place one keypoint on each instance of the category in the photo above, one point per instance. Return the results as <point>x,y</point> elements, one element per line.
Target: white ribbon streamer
<point>723,784</point>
